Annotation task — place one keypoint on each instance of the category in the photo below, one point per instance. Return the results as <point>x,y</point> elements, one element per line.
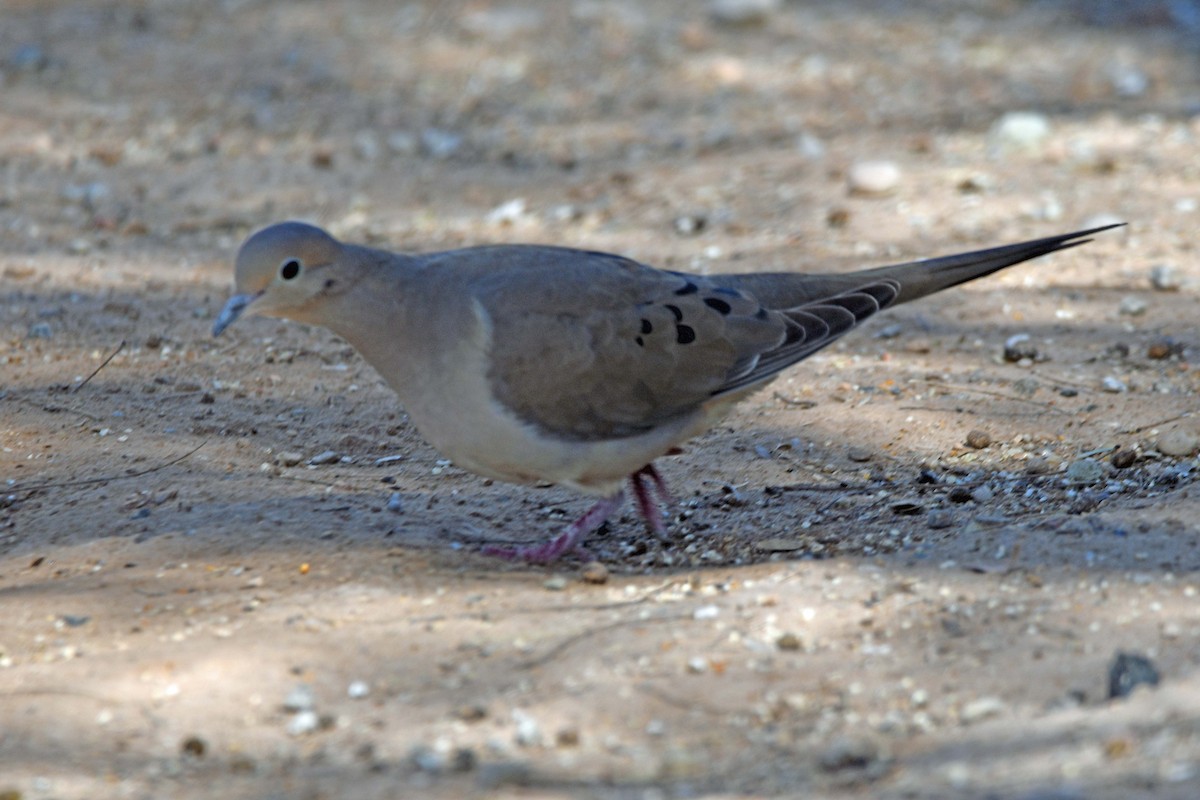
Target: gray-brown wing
<point>590,346</point>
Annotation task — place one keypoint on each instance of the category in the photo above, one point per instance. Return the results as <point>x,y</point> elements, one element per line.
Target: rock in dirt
<point>978,439</point>
<point>1019,131</point>
<point>1178,443</point>
<point>873,177</point>
<point>1127,672</point>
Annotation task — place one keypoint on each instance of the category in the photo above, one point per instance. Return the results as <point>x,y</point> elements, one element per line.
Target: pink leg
<point>642,480</point>
<point>568,541</point>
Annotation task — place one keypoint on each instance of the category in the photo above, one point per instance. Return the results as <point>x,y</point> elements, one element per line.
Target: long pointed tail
<point>784,290</point>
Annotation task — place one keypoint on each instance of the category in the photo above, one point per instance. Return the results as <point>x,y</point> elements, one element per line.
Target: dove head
<point>282,271</point>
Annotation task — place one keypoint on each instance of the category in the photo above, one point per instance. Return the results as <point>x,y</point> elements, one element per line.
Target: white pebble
<point>1113,385</point>
<point>706,612</point>
<point>300,698</point>
<point>873,177</point>
<point>357,690</point>
<point>327,457</point>
<point>1164,277</point>
<point>1133,306</point>
<point>1019,131</point>
<point>303,722</point>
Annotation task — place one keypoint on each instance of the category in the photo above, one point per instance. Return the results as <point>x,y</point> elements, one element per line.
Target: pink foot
<point>645,481</point>
<point>570,539</point>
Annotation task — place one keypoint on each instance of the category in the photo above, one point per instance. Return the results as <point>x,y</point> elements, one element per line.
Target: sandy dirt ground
<point>854,602</point>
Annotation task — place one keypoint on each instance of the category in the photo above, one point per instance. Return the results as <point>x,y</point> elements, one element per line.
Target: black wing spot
<point>795,334</point>
<point>684,334</point>
<point>761,313</point>
<point>688,288</point>
<point>718,305</point>
<point>640,341</point>
<point>647,328</point>
<point>330,283</point>
<point>675,310</point>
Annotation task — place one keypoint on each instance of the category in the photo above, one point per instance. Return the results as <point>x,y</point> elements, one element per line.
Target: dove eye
<point>289,269</point>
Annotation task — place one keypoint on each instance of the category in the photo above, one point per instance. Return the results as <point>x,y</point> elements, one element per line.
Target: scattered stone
<point>1165,278</point>
<point>322,157</point>
<point>1127,672</point>
<point>594,572</point>
<point>690,224</point>
<point>357,690</point>
<point>194,746</point>
<point>300,698</point>
<point>849,753</point>
<point>326,457</point>
<point>907,508</point>
<point>859,455</point>
<point>40,330</point>
<point>567,737</point>
<point>959,494</point>
<point>1019,131</point>
<point>978,439</point>
<point>742,12</point>
<point>939,519</point>
<point>1123,459</point>
<point>426,759</point>
<point>788,641</point>
<point>471,713</point>
<point>288,458</point>
<point>555,583</point>
<point>980,709</point>
<point>1113,385</point>
<point>982,495</point>
<point>507,212</point>
<point>873,177</point>
<point>1178,443</point>
<point>1085,471</point>
<point>395,503</point>
<point>1133,306</point>
<point>1163,348</point>
<point>528,732</point>
<point>1019,347</point>
<point>304,722</point>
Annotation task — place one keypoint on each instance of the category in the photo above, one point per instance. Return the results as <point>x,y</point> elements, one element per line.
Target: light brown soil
<point>830,619</point>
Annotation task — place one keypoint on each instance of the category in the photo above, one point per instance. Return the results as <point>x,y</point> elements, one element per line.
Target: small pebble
<point>1178,443</point>
<point>848,752</point>
<point>690,224</point>
<point>327,457</point>
<point>194,746</point>
<point>528,733</point>
<point>1165,278</point>
<point>1019,347</point>
<point>788,641</point>
<point>1123,459</point>
<point>1127,672</point>
<point>1163,348</point>
<point>357,690</point>
<point>1019,131</point>
<point>939,519</point>
<point>555,584</point>
<point>288,458</point>
<point>300,698</point>
<point>859,454</point>
<point>978,439</point>
<point>1085,471</point>
<point>982,708</point>
<point>1133,306</point>
<point>594,572</point>
<point>982,494</point>
<point>907,508</point>
<point>1127,80</point>
<point>873,177</point>
<point>1113,385</point>
<point>395,503</point>
<point>303,722</point>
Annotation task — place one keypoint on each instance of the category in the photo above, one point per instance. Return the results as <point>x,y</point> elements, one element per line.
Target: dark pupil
<point>290,269</point>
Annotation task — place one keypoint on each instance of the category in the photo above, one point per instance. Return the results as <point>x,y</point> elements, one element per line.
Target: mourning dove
<point>531,363</point>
